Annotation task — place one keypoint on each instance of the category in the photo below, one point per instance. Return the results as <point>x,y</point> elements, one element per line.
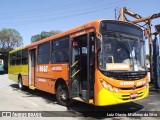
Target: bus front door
<point>80,83</point>
<point>32,61</point>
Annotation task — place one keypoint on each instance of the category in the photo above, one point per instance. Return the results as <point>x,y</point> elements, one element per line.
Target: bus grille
<point>127,97</point>
<point>126,75</point>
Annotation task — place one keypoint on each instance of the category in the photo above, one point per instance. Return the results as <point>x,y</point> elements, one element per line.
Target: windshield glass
<point>122,53</point>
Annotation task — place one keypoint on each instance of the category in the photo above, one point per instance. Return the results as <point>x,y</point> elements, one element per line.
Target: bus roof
<point>21,48</point>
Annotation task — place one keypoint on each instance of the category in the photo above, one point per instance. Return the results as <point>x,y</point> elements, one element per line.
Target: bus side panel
<point>59,71</point>
<point>33,76</point>
<point>25,80</point>
<point>44,84</point>
<point>24,74</point>
<point>13,72</point>
<point>16,70</point>
<point>47,74</point>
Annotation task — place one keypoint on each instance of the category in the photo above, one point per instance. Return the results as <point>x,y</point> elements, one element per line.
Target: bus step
<point>78,99</point>
<point>32,87</point>
<point>84,93</point>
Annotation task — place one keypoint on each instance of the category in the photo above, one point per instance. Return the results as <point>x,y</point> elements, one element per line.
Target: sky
<point>31,17</point>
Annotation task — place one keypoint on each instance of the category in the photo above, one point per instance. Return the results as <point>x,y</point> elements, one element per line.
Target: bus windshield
<point>122,53</point>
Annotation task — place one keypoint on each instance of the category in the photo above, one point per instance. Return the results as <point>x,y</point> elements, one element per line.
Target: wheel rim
<point>19,83</point>
<point>63,95</point>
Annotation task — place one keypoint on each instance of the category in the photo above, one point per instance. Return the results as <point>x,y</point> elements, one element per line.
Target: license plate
<point>133,95</point>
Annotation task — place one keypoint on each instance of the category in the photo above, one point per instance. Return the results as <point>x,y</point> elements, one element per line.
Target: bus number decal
<point>43,68</point>
<point>139,83</point>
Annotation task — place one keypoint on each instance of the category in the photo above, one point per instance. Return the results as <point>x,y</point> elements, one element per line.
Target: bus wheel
<point>20,83</point>
<point>62,96</point>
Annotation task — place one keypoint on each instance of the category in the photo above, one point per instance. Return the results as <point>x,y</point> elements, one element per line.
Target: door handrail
<point>76,73</point>
<point>75,63</point>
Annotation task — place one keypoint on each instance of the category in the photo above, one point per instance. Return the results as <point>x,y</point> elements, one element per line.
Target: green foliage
<point>9,39</point>
<point>43,35</point>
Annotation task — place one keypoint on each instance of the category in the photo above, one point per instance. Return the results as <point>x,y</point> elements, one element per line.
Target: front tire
<point>62,96</point>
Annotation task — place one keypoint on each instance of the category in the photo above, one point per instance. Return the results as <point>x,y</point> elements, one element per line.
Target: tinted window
<point>18,57</point>
<point>10,59</point>
<point>60,51</point>
<point>13,60</point>
<point>24,56</point>
<point>44,53</point>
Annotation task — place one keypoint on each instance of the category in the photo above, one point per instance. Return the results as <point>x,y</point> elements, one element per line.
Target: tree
<point>43,35</point>
<point>9,39</point>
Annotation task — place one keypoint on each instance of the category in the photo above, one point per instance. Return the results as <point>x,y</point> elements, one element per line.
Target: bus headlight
<point>104,83</point>
<point>116,89</point>
<point>111,88</point>
<point>108,86</point>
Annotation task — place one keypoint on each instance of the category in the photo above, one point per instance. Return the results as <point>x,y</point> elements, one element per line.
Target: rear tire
<point>20,83</point>
<point>62,96</point>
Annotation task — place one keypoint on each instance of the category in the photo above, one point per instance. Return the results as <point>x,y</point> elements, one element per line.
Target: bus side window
<point>24,57</point>
<point>60,50</point>
<point>14,55</point>
<point>18,58</point>
<point>44,53</point>
<point>10,59</point>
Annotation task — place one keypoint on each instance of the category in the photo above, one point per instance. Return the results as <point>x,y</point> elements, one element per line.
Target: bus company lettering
<point>139,83</point>
<point>142,82</point>
<point>126,83</point>
<point>57,68</point>
<point>41,80</point>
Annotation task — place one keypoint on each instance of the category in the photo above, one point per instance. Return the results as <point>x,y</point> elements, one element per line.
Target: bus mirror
<point>98,44</point>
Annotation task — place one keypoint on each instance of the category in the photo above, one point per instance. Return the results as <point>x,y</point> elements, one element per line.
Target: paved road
<point>13,99</point>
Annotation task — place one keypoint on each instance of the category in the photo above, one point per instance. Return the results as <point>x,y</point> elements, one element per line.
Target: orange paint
<point>45,84</point>
<point>33,76</point>
<point>53,71</point>
<point>25,80</point>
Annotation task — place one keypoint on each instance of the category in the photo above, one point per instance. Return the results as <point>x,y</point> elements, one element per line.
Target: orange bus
<point>101,63</point>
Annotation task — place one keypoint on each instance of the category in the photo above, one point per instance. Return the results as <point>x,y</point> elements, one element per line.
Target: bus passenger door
<point>32,63</point>
<point>81,82</point>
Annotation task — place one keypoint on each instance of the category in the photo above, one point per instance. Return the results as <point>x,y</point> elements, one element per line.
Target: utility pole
<point>150,51</point>
<point>115,14</point>
<point>147,21</point>
<point>122,15</point>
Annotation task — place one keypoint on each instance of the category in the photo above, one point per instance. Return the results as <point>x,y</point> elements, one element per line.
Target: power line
<point>73,11</point>
<point>57,18</point>
<point>35,11</point>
